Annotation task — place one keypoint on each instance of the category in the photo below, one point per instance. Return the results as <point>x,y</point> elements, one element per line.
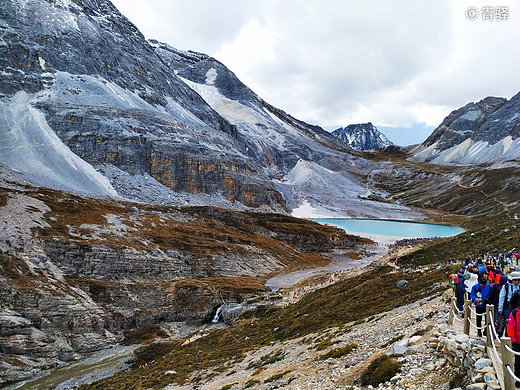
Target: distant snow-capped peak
<point>363,136</point>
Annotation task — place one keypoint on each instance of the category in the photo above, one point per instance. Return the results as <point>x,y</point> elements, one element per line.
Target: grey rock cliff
<point>112,100</point>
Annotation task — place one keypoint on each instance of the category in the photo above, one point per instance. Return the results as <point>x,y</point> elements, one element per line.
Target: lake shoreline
<point>384,230</point>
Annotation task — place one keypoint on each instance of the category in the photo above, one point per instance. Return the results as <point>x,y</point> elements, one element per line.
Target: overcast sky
<point>403,65</point>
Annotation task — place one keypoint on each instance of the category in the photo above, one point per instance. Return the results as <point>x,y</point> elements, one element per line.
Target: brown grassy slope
<point>198,231</point>
<point>369,294</point>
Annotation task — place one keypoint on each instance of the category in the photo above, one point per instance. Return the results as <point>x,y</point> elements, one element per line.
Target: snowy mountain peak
<point>484,132</point>
<point>363,136</point>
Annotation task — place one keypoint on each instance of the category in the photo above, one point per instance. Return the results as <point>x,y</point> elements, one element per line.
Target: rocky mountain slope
<point>104,136</point>
<point>91,107</point>
<point>308,165</point>
<point>89,76</point>
<point>76,272</point>
<point>484,132</point>
<point>363,136</point>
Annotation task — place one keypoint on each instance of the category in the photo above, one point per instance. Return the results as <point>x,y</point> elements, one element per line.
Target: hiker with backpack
<point>479,293</point>
<point>504,302</point>
<point>494,296</point>
<point>513,331</point>
<point>460,289</point>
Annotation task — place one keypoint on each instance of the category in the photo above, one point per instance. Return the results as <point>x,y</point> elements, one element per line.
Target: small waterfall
<point>217,315</point>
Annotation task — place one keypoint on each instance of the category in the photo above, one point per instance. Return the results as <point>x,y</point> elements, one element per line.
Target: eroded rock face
<point>476,120</point>
<point>75,273</point>
<point>111,99</point>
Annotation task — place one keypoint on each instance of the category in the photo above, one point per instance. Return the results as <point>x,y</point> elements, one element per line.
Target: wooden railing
<point>501,348</point>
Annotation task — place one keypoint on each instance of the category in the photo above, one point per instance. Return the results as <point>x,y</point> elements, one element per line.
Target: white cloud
<point>254,42</point>
<point>394,63</point>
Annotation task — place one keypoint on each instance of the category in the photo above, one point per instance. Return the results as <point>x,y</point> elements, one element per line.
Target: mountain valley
<point>143,187</point>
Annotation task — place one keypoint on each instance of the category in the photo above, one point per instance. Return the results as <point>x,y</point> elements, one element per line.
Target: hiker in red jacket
<point>498,275</point>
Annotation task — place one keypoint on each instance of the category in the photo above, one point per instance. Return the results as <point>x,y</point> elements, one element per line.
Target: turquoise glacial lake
<point>391,228</point>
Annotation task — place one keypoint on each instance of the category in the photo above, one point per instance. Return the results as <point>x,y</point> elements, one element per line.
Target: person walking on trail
<point>498,275</point>
<point>494,296</point>
<point>504,301</point>
<point>513,331</point>
<point>460,290</point>
<point>479,293</point>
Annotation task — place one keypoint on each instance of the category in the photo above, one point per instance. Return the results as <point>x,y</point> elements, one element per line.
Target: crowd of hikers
<point>492,279</point>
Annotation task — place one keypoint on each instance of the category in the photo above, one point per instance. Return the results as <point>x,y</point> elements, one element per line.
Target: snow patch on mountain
<point>310,174</point>
<point>211,76</point>
<point>471,152</point>
<point>306,210</point>
<point>312,191</point>
<point>30,146</point>
<point>232,110</point>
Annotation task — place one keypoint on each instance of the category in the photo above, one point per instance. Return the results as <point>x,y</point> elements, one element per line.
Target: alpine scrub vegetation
<point>380,370</point>
<point>369,294</point>
<point>336,353</point>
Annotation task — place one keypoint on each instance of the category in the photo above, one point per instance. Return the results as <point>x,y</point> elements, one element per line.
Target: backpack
<point>515,299</point>
<point>453,280</point>
<point>514,315</point>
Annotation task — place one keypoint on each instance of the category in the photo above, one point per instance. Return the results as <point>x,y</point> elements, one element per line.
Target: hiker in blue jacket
<point>478,296</point>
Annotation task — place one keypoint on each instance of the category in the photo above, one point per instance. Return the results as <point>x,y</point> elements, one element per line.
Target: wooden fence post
<point>488,319</point>
<point>508,359</point>
<point>453,303</point>
<point>467,316</point>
